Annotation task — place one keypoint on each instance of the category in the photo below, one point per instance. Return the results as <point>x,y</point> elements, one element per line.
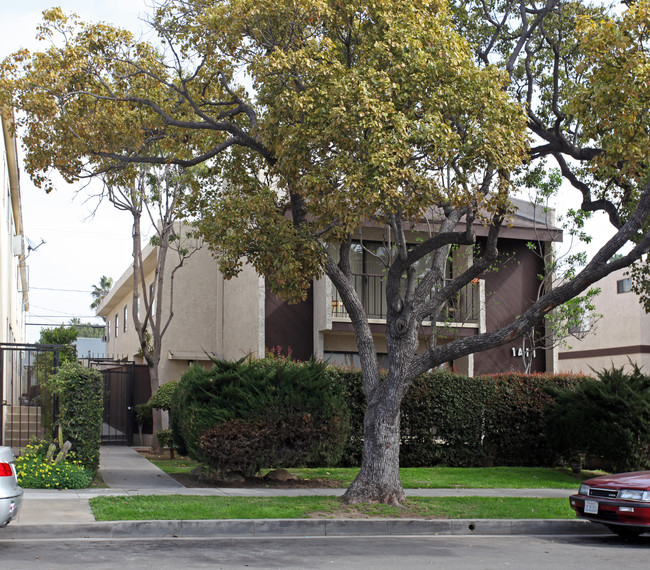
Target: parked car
<point>621,502</point>
<point>11,495</point>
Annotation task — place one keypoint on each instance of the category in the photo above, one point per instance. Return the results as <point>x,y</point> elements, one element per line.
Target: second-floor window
<point>368,264</point>
<point>108,330</point>
<point>125,317</point>
<point>117,324</point>
<point>624,285</point>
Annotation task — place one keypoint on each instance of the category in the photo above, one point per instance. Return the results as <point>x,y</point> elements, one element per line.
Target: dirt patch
<point>193,481</point>
<point>202,481</point>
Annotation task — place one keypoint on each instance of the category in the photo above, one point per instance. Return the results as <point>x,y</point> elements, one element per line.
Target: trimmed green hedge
<point>302,411</point>
<point>274,412</point>
<point>460,421</point>
<point>80,393</point>
<point>608,417</point>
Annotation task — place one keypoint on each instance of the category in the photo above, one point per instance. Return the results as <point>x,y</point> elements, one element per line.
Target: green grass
<point>181,507</point>
<point>464,477</point>
<point>433,477</point>
<point>178,465</point>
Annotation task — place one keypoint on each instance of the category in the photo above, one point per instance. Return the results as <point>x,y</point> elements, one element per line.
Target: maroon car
<point>621,501</point>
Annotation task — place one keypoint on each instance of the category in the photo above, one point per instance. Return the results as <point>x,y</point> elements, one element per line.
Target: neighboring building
<point>13,279</point>
<point>231,319</point>
<point>211,314</point>
<point>13,271</point>
<point>620,336</point>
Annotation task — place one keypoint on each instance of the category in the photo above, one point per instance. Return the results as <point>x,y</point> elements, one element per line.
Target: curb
<point>248,528</point>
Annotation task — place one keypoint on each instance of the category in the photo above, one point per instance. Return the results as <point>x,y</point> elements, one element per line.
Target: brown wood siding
<point>508,292</point>
<point>289,326</point>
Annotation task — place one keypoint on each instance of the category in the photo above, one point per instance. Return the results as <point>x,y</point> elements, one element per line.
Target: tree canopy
<point>313,120</point>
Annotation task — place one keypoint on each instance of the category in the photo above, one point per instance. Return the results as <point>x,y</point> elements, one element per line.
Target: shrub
<point>455,420</point>
<point>80,395</point>
<point>443,420</point>
<point>163,397</point>
<point>166,439</point>
<point>35,471</point>
<point>238,445</point>
<point>607,417</point>
<point>298,403</point>
<point>516,417</point>
<point>350,384</point>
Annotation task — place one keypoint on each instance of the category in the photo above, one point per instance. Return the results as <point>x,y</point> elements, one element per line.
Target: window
<point>624,285</point>
<point>108,330</point>
<point>117,324</point>
<point>125,317</point>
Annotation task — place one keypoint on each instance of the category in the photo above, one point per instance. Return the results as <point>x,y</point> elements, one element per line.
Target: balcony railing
<point>463,307</point>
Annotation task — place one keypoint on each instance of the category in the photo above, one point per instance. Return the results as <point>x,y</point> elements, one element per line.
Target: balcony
<point>462,309</point>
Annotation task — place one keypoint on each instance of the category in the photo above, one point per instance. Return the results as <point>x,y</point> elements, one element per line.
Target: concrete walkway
<point>126,472</point>
<point>123,467</point>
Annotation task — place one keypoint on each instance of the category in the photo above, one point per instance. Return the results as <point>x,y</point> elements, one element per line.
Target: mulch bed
<point>193,481</point>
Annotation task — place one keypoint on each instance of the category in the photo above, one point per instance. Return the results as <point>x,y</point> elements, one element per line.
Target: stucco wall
<point>211,314</point>
<point>622,333</point>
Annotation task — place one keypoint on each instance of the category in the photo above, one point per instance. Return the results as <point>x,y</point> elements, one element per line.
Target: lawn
<point>181,507</point>
<point>430,477</point>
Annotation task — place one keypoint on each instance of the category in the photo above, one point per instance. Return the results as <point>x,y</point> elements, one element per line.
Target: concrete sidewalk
<point>54,513</point>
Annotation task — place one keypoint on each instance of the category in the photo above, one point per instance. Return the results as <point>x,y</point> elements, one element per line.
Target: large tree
<point>384,112</point>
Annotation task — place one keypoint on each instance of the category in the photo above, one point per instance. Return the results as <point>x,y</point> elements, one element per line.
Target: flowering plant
<point>36,471</point>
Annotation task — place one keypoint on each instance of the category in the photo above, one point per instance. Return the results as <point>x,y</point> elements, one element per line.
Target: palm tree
<point>100,291</point>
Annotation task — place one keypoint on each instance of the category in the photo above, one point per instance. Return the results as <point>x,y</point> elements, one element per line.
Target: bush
<point>166,439</point>
<point>443,420</point>
<point>455,420</point>
<point>237,445</point>
<point>34,471</point>
<point>607,417</point>
<point>80,395</point>
<point>298,403</point>
<point>164,396</point>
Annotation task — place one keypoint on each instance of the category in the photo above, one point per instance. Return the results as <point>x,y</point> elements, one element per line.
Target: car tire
<point>626,531</point>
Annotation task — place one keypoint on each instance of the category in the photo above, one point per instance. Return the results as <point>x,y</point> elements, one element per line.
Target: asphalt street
<point>449,552</point>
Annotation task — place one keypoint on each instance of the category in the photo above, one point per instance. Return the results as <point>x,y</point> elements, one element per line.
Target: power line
<point>66,290</point>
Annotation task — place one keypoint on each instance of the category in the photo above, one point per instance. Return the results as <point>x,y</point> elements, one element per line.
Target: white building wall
<point>13,274</point>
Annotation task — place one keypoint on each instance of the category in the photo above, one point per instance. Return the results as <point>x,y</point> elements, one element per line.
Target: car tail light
<point>5,470</point>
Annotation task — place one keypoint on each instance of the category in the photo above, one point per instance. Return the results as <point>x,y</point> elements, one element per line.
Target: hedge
<point>456,420</point>
<point>80,395</point>
<point>296,407</point>
<point>608,417</point>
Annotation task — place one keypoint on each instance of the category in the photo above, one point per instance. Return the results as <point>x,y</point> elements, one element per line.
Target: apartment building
<point>13,271</point>
<point>233,318</point>
<point>619,337</point>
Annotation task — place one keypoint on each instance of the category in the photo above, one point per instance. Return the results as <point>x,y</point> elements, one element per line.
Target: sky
<point>79,246</point>
<point>83,240</point>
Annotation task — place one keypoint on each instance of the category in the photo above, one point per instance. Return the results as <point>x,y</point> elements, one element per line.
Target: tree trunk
<point>379,480</point>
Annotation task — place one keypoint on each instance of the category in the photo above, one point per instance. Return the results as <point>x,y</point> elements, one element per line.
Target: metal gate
<point>27,407</point>
<point>119,379</point>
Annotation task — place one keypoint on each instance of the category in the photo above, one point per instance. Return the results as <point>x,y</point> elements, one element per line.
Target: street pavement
<point>67,514</point>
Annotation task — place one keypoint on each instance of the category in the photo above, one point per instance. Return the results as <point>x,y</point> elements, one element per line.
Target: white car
<point>11,495</point>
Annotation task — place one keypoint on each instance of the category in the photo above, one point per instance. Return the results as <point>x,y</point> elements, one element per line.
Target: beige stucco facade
<point>13,271</point>
<point>621,335</point>
<point>211,314</point>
